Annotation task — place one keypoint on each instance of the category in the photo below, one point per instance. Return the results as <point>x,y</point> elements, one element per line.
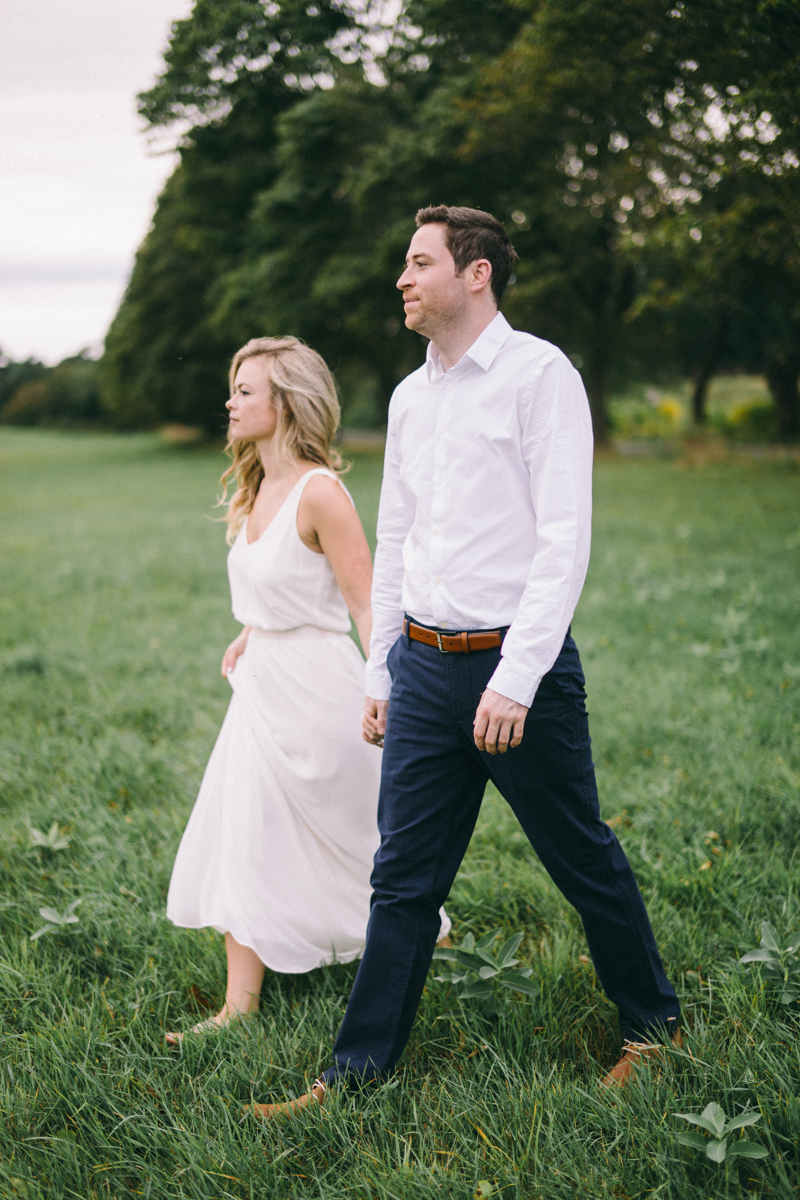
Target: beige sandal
<point>207,1026</point>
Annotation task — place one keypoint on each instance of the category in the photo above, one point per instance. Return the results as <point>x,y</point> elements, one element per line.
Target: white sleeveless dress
<point>279,846</point>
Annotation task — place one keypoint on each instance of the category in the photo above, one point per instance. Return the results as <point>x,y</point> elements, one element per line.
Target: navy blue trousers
<point>432,784</point>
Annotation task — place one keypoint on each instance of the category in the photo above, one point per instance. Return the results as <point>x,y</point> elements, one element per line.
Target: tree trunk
<point>705,371</point>
<point>597,391</point>
<point>782,377</point>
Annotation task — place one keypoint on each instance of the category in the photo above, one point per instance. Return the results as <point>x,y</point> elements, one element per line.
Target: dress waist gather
<point>299,631</point>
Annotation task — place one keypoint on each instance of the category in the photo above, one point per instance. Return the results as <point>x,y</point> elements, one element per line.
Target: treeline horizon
<point>644,158</point>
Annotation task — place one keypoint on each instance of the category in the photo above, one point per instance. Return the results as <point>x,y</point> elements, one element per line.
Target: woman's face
<point>253,416</point>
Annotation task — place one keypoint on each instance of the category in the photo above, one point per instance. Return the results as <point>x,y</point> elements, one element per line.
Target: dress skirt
<point>278,849</point>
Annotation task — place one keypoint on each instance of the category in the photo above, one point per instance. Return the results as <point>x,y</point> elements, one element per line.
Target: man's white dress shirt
<point>485,511</point>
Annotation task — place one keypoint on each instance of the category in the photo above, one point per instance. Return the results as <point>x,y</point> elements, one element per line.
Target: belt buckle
<point>439,643</point>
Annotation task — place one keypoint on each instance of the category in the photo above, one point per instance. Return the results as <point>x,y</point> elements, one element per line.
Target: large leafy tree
<point>602,123</point>
<point>231,71</point>
<point>619,142</point>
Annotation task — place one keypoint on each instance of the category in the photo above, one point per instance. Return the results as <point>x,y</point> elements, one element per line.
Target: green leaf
<point>789,995</point>
<point>716,1151</point>
<point>469,958</point>
<point>50,914</point>
<point>713,1113</point>
<point>740,1122</point>
<point>769,937</point>
<point>488,972</point>
<point>762,955</point>
<point>486,957</point>
<point>517,982</point>
<point>508,950</point>
<point>37,837</point>
<point>701,1121</point>
<point>483,1190</point>
<point>696,1140</point>
<point>745,1149</point>
<point>479,990</point>
<point>468,942</point>
<point>445,952</point>
<point>44,929</point>
<point>71,907</point>
<point>487,939</point>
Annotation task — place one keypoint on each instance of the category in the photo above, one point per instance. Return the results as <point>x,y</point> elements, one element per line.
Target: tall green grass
<point>114,612</point>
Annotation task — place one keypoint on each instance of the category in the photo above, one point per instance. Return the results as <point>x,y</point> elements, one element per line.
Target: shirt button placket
<point>439,502</point>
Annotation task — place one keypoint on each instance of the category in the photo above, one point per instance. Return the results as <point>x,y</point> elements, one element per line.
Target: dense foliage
<point>32,393</point>
<point>645,158</point>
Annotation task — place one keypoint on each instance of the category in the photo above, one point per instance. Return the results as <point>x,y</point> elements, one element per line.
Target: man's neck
<point>454,341</point>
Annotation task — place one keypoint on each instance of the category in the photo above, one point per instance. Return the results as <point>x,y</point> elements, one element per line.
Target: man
<point>483,545</point>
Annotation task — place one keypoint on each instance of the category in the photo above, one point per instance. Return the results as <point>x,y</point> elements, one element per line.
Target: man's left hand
<point>498,723</point>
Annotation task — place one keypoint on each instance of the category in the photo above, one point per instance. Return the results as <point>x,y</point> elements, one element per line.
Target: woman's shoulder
<point>323,490</point>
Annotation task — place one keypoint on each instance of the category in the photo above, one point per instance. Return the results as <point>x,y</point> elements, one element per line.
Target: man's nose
<point>402,281</point>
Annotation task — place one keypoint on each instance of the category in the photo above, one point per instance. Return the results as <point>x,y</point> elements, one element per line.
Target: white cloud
<point>78,186</point>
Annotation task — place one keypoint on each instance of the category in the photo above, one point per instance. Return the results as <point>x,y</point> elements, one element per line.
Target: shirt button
<point>437,580</point>
<point>443,431</point>
<point>449,387</point>
<point>439,480</point>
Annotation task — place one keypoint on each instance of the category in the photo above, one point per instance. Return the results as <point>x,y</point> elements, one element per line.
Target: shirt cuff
<point>378,681</point>
<point>513,683</point>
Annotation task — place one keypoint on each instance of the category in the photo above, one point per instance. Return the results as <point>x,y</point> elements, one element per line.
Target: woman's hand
<point>234,650</point>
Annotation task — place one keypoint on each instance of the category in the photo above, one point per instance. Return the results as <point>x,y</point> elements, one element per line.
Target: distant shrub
<point>753,421</point>
<point>28,405</point>
<point>671,411</point>
<point>14,374</point>
<point>65,395</point>
<point>654,416</point>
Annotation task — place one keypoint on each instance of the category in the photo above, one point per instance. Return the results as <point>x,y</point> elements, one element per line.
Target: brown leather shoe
<point>633,1055</point>
<point>267,1112</point>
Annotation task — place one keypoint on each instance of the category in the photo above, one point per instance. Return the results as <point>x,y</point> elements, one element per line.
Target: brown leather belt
<point>453,643</point>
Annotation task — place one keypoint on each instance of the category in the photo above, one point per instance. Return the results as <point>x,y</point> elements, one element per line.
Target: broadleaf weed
<point>781,964</point>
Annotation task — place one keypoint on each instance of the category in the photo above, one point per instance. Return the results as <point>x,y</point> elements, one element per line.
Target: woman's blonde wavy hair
<point>304,393</point>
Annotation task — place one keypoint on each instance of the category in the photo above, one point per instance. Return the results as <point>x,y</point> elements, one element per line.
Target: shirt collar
<point>483,350</point>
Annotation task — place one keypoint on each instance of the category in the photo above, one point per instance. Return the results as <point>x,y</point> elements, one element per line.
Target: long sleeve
<point>557,450</point>
<point>394,522</point>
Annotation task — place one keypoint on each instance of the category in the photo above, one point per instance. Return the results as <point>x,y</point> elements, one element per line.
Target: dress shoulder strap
<point>321,471</point>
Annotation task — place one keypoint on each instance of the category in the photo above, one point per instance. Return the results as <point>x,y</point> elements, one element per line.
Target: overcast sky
<point>77,183</point>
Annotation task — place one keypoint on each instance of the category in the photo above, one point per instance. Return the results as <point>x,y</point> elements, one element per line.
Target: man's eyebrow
<point>421,254</point>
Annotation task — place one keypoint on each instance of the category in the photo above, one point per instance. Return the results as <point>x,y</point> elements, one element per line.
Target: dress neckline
<point>313,471</point>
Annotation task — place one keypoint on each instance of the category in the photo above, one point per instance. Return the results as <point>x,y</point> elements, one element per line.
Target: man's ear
<point>481,274</point>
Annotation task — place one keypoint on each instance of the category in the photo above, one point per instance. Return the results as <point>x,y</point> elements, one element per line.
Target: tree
<point>622,102</point>
<point>230,73</point>
<point>633,149</point>
<point>14,374</point>
<point>56,396</point>
<point>293,202</point>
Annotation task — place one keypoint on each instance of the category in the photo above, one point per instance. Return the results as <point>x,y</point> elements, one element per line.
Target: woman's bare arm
<point>328,524</point>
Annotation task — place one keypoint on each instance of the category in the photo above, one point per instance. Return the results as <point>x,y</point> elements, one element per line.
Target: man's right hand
<point>373,720</point>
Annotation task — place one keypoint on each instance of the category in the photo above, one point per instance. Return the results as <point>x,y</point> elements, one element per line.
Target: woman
<point>278,851</point>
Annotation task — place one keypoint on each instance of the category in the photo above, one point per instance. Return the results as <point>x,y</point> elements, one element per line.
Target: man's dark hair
<point>471,234</point>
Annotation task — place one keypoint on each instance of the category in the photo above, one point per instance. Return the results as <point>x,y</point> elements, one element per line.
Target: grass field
<point>114,612</point>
